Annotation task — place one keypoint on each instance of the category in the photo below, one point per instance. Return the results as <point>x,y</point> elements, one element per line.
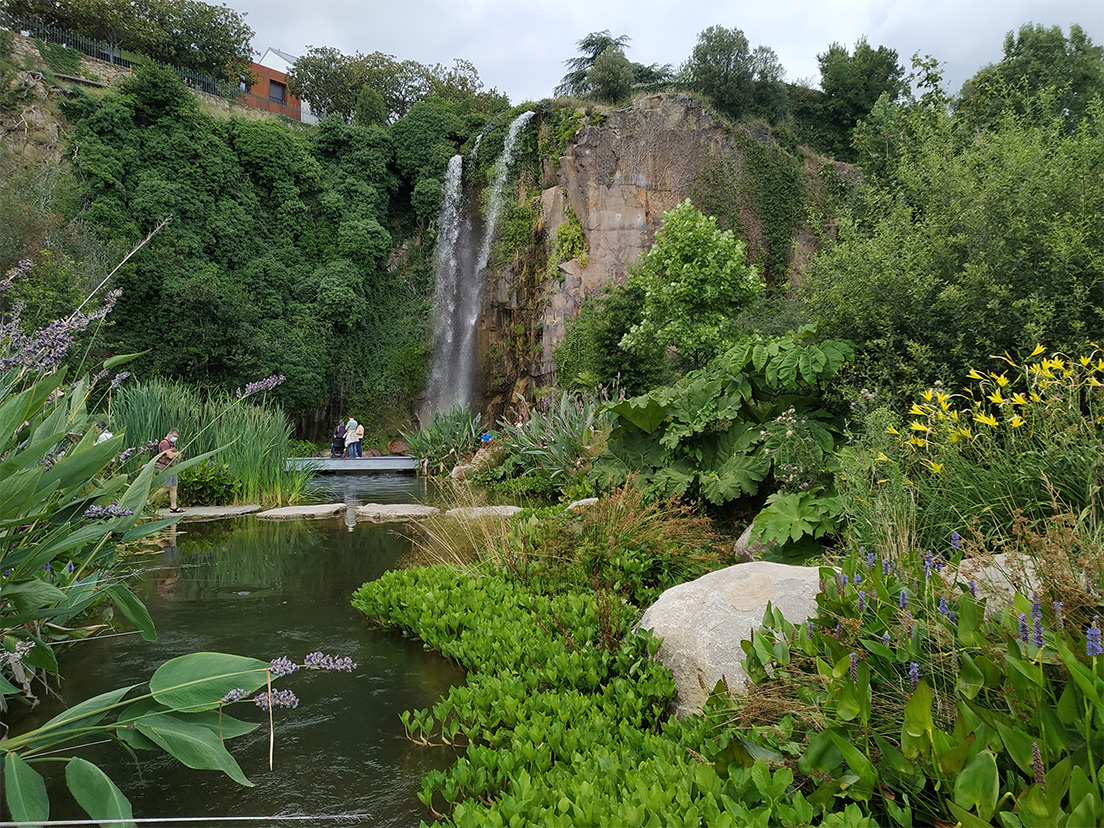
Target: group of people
<point>348,439</point>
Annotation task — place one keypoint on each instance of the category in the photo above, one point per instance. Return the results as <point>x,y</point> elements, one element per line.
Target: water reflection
<point>268,589</point>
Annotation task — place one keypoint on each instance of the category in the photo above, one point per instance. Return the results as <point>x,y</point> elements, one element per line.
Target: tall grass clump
<point>251,435</point>
<point>450,438</point>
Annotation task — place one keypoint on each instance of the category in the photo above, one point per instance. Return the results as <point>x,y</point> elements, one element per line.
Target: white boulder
<point>702,622</point>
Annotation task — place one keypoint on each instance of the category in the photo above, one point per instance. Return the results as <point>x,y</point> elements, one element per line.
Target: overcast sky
<point>519,46</point>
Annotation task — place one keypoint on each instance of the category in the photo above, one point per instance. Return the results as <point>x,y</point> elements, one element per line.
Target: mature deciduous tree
<point>611,77</point>
<point>852,83</point>
<point>1036,58</point>
<point>721,67</point>
<point>695,281</point>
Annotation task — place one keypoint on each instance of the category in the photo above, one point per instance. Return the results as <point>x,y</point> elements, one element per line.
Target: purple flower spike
<point>233,696</point>
<point>321,661</point>
<point>854,667</point>
<point>119,378</point>
<point>903,601</point>
<point>810,627</point>
<point>956,540</point>
<point>914,673</point>
<point>1037,633</point>
<point>1023,627</point>
<point>112,510</point>
<point>279,698</point>
<point>885,638</point>
<point>1093,646</point>
<point>943,608</point>
<point>282,667</point>
<point>1037,768</point>
<point>973,588</point>
<point>862,600</point>
<point>267,384</point>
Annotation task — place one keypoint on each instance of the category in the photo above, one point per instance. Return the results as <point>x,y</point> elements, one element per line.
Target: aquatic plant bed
<point>563,718</point>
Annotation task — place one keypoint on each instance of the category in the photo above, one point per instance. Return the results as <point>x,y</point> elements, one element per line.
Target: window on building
<point>277,92</point>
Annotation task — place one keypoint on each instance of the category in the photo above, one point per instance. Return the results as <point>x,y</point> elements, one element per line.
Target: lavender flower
<point>973,588</point>
<point>862,600</point>
<point>858,578</point>
<point>870,558</point>
<point>944,610</point>
<point>45,349</point>
<point>1093,646</point>
<point>127,454</point>
<point>914,673</point>
<point>854,667</point>
<point>887,566</point>
<point>929,563</point>
<point>1037,633</point>
<point>1036,608</point>
<point>113,510</point>
<point>908,623</point>
<point>1037,765</point>
<point>903,600</point>
<point>115,383</point>
<point>320,661</point>
<point>843,577</point>
<point>809,627</point>
<point>1023,627</point>
<point>282,666</point>
<point>885,638</point>
<point>234,695</point>
<point>267,384</point>
<point>956,540</point>
<point>277,698</point>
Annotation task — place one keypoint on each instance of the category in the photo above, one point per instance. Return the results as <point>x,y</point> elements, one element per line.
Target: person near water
<point>169,455</point>
<point>351,445</point>
<point>360,439</point>
<point>337,447</point>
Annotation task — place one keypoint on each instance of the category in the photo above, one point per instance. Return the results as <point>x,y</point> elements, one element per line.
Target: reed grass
<point>251,436</point>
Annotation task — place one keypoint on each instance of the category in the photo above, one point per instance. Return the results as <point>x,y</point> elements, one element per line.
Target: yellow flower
<point>1100,365</point>
<point>882,458</point>
<point>892,430</point>
<point>916,425</point>
<point>927,395</point>
<point>1002,380</point>
<point>987,419</point>
<point>1038,350</point>
<point>944,400</point>
<point>935,467</point>
<point>1017,421</point>
<point>916,441</point>
<point>1019,399</point>
<point>1085,362</point>
<point>917,411</point>
<point>1035,397</point>
<point>1093,381</point>
<point>965,432</point>
<point>974,374</point>
<point>995,397</point>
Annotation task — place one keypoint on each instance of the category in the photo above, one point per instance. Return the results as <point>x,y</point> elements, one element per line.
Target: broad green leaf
<point>24,791</point>
<point>135,611</point>
<point>198,681</point>
<point>970,679</point>
<point>96,793</point>
<point>644,412</point>
<point>918,715</point>
<point>121,359</point>
<point>194,745</point>
<point>28,596</point>
<point>966,819</point>
<point>85,714</point>
<point>823,754</point>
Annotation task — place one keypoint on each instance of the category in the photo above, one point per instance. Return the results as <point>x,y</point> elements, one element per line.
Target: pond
<point>266,589</point>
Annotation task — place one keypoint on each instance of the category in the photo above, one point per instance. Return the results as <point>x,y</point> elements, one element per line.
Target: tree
<point>958,250</point>
<point>695,281</point>
<point>1036,59</point>
<point>576,82</point>
<point>852,83</point>
<point>769,98</point>
<point>721,67</point>
<point>611,78</point>
<point>329,80</point>
<point>188,34</point>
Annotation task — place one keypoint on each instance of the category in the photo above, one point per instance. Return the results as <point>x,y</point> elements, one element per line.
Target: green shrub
<point>209,483</point>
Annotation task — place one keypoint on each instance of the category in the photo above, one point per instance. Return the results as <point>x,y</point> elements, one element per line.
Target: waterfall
<point>463,249</point>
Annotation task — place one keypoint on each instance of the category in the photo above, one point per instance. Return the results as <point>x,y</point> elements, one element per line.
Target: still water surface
<point>266,589</point>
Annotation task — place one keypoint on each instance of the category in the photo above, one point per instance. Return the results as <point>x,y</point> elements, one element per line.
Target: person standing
<point>351,436</point>
<point>169,455</point>
<point>360,439</point>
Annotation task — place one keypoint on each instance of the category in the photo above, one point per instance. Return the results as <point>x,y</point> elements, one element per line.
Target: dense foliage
<point>188,34</point>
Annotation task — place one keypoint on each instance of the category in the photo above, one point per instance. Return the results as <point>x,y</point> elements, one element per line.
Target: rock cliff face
<point>622,171</point>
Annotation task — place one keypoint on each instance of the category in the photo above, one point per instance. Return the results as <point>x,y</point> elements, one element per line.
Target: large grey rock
<point>703,622</point>
<point>582,504</point>
<point>997,577</point>
<point>394,512</point>
<point>477,512</point>
<point>319,512</point>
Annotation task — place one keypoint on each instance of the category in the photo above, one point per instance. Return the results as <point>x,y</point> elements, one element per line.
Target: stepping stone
<point>394,512</point>
<point>477,512</point>
<point>327,510</point>
<point>197,514</point>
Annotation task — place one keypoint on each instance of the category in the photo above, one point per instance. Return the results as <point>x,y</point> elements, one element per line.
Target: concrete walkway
<point>333,465</point>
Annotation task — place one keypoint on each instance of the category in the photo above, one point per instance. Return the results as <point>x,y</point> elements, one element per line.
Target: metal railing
<point>122,57</point>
